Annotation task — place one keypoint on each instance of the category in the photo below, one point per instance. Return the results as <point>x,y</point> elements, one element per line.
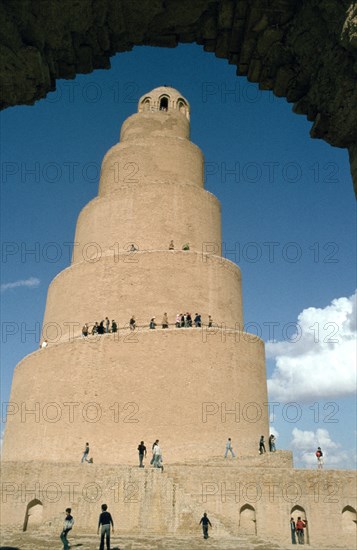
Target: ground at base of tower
<point>15,540</point>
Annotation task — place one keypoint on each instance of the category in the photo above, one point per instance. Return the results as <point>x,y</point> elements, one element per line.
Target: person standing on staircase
<point>157,463</point>
<point>152,450</point>
<point>205,523</point>
<point>85,453</point>
<point>229,448</point>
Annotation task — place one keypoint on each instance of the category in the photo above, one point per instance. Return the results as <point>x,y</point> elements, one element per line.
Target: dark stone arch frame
<point>305,51</point>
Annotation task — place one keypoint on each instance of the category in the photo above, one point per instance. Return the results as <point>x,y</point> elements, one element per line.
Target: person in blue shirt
<point>229,448</point>
<point>85,453</point>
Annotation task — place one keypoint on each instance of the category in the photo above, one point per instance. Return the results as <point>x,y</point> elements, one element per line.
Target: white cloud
<point>305,443</point>
<point>322,360</point>
<point>31,282</point>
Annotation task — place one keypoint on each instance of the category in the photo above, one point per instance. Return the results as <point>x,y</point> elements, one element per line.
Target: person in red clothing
<point>300,526</point>
<point>320,458</point>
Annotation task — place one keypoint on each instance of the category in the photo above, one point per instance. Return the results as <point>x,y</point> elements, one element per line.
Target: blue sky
<point>288,215</point>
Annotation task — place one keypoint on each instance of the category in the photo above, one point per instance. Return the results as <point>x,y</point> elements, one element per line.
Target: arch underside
<point>305,51</point>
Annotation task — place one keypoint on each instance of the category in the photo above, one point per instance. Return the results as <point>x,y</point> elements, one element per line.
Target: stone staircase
<point>42,540</point>
<point>151,509</point>
<point>157,502</point>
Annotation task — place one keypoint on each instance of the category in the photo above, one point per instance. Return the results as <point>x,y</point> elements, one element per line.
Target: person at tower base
<point>300,526</point>
<point>320,458</point>
<point>114,326</point>
<point>67,526</point>
<point>171,245</point>
<point>261,445</point>
<point>85,453</point>
<point>142,454</point>
<point>152,450</point>
<point>229,448</point>
<point>197,320</point>
<point>205,523</point>
<point>132,323</point>
<point>293,530</point>
<point>157,456</point>
<point>165,321</point>
<point>105,520</point>
<point>152,323</point>
<point>272,440</point>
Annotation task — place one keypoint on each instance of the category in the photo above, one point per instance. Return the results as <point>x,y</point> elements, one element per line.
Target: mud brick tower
<point>178,385</point>
<point>189,387</point>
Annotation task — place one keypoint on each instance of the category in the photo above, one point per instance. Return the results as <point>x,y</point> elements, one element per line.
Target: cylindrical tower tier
<point>143,284</point>
<point>161,159</point>
<point>191,390</point>
<point>182,213</point>
<point>155,124</point>
<point>154,146</point>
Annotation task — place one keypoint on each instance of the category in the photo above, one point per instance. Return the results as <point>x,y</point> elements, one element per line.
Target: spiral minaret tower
<point>189,387</point>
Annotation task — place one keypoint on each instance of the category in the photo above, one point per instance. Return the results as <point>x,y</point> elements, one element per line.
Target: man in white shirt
<point>157,456</point>
<point>229,448</point>
<point>67,526</point>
